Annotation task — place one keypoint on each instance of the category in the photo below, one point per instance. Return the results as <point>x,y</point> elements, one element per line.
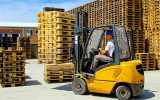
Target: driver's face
<point>109,37</point>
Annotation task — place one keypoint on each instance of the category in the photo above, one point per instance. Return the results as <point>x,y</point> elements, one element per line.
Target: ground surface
<point>37,89</point>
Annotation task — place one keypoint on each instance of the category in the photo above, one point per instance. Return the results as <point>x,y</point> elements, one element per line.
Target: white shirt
<point>110,48</point>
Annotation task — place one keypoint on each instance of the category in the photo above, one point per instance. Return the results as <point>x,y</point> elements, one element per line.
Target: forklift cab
<point>97,41</point>
<point>122,75</point>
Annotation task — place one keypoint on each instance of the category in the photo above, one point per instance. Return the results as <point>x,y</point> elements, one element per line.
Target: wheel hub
<point>78,86</point>
<point>123,93</point>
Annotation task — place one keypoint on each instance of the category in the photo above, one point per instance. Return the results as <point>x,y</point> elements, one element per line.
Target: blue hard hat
<point>109,32</point>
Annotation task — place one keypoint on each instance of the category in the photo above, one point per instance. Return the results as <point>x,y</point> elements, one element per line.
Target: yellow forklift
<point>123,76</point>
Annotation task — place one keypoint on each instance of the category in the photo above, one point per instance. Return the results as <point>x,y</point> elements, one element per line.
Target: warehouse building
<point>24,30</point>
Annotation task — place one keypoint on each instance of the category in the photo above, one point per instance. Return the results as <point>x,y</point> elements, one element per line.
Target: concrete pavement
<point>37,89</point>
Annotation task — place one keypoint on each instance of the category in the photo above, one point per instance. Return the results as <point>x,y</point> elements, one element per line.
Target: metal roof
<point>18,25</point>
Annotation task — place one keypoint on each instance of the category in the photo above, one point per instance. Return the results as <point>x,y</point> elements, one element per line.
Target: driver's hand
<point>103,52</point>
<point>100,49</point>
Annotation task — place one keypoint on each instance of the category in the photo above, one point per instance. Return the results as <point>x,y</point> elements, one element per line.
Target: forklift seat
<point>104,63</point>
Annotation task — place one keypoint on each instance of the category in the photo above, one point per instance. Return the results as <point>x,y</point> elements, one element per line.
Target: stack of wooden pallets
<point>27,47</point>
<point>25,43</point>
<point>12,67</point>
<point>120,12</point>
<point>148,60</point>
<point>56,35</point>
<point>59,72</point>
<point>151,24</point>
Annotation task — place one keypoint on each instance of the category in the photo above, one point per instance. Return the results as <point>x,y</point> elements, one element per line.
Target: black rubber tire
<point>79,87</point>
<point>123,92</point>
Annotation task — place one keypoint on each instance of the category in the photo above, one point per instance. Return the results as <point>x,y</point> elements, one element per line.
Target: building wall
<point>34,37</point>
<point>23,33</point>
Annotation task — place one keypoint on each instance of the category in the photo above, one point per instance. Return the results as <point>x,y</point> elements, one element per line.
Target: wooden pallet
<point>13,74</point>
<point>148,60</point>
<point>55,38</point>
<point>50,79</point>
<point>13,84</point>
<point>55,14</point>
<point>58,80</point>
<point>53,50</point>
<point>61,57</point>
<point>59,72</point>
<point>64,39</point>
<point>51,61</point>
<point>63,45</point>
<point>13,69</point>
<point>47,43</point>
<point>47,56</point>
<point>63,66</point>
<point>54,32</point>
<point>9,49</point>
<point>65,27</point>
<point>56,20</point>
<point>14,79</point>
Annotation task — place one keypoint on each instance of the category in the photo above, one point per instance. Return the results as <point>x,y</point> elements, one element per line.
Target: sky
<point>26,10</point>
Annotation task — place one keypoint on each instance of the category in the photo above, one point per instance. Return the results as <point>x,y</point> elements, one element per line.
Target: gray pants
<point>98,58</point>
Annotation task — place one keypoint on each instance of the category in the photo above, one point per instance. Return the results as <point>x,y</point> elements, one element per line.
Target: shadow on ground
<point>67,87</point>
<point>27,63</point>
<point>27,77</point>
<point>32,83</point>
<point>148,94</point>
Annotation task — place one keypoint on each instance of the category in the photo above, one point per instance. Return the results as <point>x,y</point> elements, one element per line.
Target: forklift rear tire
<point>123,92</point>
<point>79,87</point>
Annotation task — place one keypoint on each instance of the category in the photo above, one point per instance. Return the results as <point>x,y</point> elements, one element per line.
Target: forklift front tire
<point>123,92</point>
<point>79,86</point>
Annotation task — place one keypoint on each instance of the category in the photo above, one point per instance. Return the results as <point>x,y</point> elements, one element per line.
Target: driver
<point>106,55</point>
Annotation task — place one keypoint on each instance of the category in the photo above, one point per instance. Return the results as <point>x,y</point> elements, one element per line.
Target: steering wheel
<point>95,51</point>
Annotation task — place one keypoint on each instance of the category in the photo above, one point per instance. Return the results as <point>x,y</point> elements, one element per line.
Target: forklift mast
<point>80,30</point>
